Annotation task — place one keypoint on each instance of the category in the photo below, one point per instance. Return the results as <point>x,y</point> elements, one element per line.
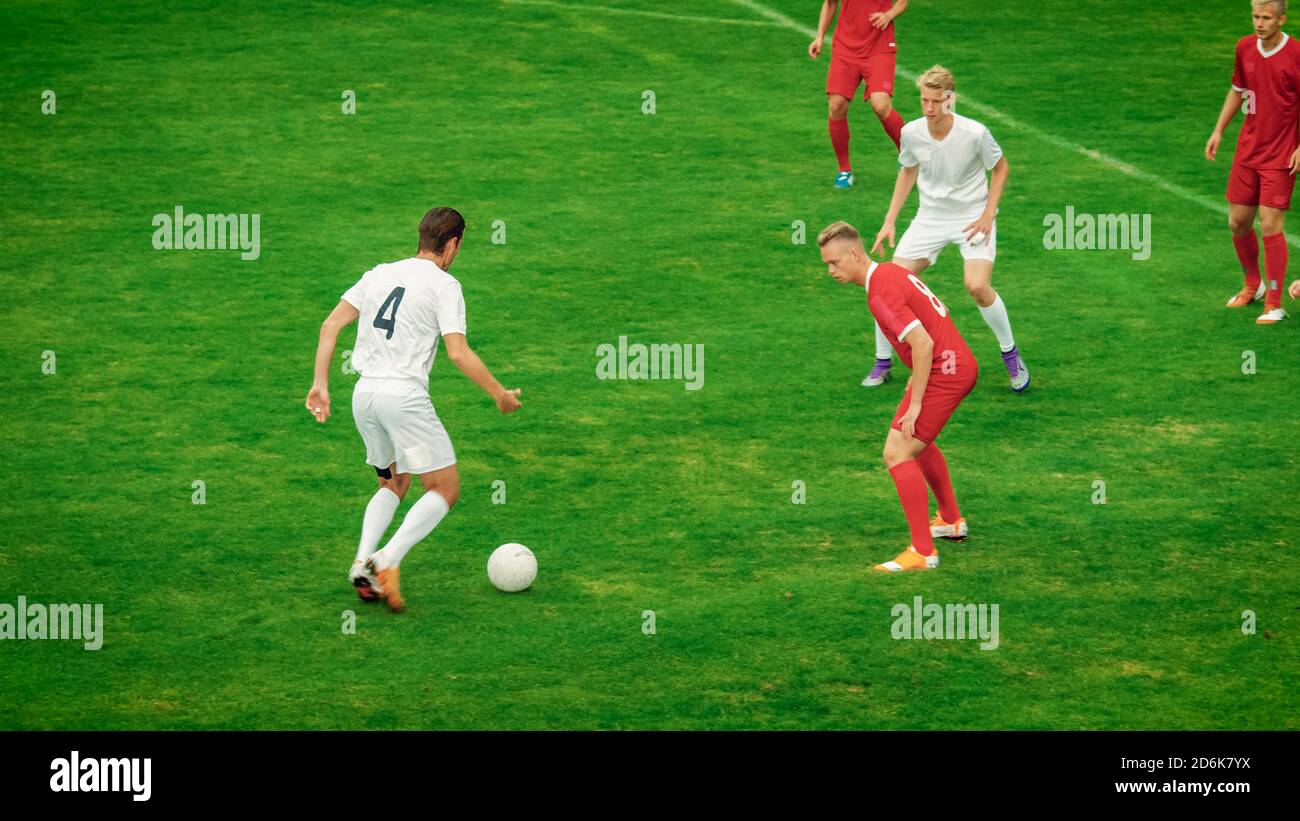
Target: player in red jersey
<point>863,49</point>
<point>943,372</point>
<point>1266,86</point>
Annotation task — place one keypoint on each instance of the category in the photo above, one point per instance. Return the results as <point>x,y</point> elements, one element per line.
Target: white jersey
<point>953,179</point>
<point>405,307</point>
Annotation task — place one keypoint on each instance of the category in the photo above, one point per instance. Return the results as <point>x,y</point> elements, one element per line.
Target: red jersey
<point>855,37</point>
<point>1270,82</point>
<point>899,301</point>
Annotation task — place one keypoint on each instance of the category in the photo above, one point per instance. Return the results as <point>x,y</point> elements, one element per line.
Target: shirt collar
<point>870,270</point>
<point>1259,44</point>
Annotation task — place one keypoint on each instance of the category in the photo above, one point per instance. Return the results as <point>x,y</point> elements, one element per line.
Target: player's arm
<point>882,19</point>
<point>922,358</point>
<point>902,188</point>
<point>318,398</point>
<point>1231,105</point>
<point>464,358</point>
<point>997,184</point>
<point>823,25</point>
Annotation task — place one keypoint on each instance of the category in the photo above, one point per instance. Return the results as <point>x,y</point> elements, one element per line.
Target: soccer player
<point>1266,86</point>
<point>405,306</point>
<point>863,50</point>
<point>948,157</point>
<point>943,372</point>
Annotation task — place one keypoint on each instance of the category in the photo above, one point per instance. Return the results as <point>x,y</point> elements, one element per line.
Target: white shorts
<point>397,422</point>
<point>927,236</point>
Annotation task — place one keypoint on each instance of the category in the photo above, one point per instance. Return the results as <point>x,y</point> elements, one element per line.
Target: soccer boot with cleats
<point>952,531</point>
<point>1246,296</point>
<point>909,560</point>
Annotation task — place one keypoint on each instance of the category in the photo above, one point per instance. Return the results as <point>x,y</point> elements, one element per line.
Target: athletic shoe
<point>879,373</point>
<point>1271,315</point>
<point>844,179</point>
<point>363,580</point>
<point>1017,369</point>
<point>909,559</point>
<point>390,583</point>
<point>956,531</point>
<point>1246,296</point>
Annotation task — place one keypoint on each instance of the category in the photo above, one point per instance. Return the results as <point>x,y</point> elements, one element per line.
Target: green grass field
<point>177,366</point>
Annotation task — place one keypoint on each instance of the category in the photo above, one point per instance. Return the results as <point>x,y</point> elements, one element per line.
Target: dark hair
<point>438,226</point>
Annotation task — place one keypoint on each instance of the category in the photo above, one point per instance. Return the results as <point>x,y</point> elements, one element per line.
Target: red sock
<point>916,503</point>
<point>1248,252</point>
<point>935,468</point>
<point>840,141</point>
<point>894,127</point>
<point>1275,268</point>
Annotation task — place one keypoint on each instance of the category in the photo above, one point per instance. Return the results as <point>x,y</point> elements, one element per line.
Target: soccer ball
<point>512,567</point>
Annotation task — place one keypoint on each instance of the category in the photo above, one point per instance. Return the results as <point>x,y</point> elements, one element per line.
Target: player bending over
<point>405,306</point>
<point>943,372</point>
<point>948,156</point>
<point>864,49</point>
<point>1266,86</point>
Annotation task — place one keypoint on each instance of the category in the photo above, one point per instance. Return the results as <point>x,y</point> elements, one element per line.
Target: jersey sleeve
<point>990,151</point>
<point>354,295</point>
<point>893,313</point>
<point>450,310</point>
<point>906,150</point>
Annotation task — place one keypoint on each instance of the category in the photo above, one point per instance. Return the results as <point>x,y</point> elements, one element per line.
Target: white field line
<point>988,112</point>
<point>596,11</point>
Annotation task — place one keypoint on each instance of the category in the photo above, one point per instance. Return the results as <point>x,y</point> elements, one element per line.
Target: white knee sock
<point>420,521</point>
<point>996,317</point>
<point>379,514</point>
<point>883,350</point>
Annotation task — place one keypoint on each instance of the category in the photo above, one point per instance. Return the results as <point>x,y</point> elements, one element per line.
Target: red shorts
<point>1269,187</point>
<point>940,400</point>
<point>846,73</point>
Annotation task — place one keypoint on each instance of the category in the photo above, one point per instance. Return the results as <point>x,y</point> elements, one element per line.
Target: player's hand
<point>886,232</point>
<point>908,422</point>
<point>1294,290</point>
<point>881,20</point>
<point>318,402</point>
<point>1295,162</point>
<point>815,48</point>
<point>983,225</point>
<point>508,401</point>
<point>1212,146</point>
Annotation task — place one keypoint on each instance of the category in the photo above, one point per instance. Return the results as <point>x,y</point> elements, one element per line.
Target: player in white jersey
<point>948,157</point>
<point>404,308</point>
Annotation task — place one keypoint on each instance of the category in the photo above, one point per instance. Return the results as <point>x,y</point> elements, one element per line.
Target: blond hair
<point>1279,6</point>
<point>838,230</point>
<point>940,78</point>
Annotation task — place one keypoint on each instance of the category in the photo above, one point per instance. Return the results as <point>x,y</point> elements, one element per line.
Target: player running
<point>1266,86</point>
<point>406,306</point>
<point>863,49</point>
<point>948,156</point>
<point>943,372</point>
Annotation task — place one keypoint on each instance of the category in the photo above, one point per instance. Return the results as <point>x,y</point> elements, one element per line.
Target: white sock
<point>379,515</point>
<point>996,317</point>
<point>883,349</point>
<point>420,521</point>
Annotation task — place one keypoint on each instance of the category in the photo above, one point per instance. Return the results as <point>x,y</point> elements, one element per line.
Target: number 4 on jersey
<point>389,323</point>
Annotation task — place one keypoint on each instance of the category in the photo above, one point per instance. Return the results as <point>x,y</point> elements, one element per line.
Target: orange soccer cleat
<point>1246,296</point>
<point>953,531</point>
<point>1271,315</point>
<point>389,583</point>
<point>909,559</point>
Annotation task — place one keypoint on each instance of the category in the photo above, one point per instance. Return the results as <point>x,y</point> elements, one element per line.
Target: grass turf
<point>673,227</point>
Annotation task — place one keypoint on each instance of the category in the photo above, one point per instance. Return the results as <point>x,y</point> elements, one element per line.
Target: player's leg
<point>1275,199</point>
<point>900,458</point>
<point>948,522</point>
<point>979,284</point>
<point>879,374</point>
<point>378,516</point>
<point>880,93</point>
<point>1241,223</point>
<point>1243,203</point>
<point>842,79</point>
<point>441,491</point>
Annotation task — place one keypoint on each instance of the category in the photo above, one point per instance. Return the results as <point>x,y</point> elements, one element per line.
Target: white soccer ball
<point>512,567</point>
